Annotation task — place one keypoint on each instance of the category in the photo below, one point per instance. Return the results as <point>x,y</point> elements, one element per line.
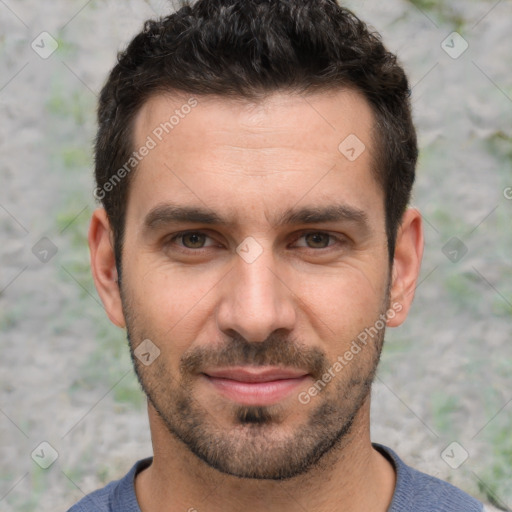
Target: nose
<point>255,299</point>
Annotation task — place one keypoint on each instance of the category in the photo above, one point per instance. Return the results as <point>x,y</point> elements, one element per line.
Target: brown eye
<point>193,240</point>
<point>317,240</point>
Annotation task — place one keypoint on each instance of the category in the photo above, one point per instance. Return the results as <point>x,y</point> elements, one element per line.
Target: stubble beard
<point>256,442</point>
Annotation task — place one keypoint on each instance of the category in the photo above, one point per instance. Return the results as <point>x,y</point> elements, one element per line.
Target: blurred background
<point>443,395</point>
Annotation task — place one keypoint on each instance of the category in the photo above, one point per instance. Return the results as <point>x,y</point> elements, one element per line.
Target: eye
<point>195,241</point>
<point>319,239</point>
<point>192,240</point>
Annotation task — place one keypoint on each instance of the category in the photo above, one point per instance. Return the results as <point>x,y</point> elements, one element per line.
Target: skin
<point>302,301</point>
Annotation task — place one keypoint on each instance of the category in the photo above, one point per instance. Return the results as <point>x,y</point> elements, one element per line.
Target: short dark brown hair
<point>249,49</point>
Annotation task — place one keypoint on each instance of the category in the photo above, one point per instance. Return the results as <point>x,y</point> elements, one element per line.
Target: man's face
<point>251,297</point>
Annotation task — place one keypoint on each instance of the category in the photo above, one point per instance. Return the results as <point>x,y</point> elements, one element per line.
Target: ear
<point>103,266</point>
<point>406,265</point>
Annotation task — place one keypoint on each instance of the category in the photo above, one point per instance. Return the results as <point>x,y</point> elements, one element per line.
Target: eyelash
<point>181,234</point>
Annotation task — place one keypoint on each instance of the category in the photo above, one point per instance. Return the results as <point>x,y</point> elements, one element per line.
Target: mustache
<point>276,350</point>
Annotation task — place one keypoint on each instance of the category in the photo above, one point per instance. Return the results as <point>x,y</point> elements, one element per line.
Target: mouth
<point>255,385</point>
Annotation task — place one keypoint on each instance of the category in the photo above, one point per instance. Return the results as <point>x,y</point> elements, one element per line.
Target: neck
<point>351,477</point>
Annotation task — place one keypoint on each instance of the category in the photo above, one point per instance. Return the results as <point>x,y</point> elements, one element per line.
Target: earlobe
<point>103,266</point>
<point>406,264</point>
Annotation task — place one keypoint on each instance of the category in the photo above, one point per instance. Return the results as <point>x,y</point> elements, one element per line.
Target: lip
<point>255,385</point>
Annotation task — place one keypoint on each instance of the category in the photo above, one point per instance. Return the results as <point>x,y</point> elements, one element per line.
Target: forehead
<point>327,116</point>
<point>249,156</point>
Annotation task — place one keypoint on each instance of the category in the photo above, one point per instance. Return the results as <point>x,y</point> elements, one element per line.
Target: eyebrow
<point>168,213</point>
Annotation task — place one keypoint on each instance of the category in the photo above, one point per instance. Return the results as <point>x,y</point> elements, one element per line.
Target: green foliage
<point>461,288</point>
<point>66,48</point>
<point>425,5</point>
<point>75,157</point>
<point>128,392</point>
<point>443,407</point>
<point>78,105</point>
<point>497,487</point>
<point>442,12</point>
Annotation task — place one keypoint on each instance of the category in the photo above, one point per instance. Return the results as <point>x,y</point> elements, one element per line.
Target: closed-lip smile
<point>255,385</point>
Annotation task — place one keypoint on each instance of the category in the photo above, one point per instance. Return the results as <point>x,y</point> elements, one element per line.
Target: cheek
<point>175,306</point>
<point>170,304</point>
<point>342,303</point>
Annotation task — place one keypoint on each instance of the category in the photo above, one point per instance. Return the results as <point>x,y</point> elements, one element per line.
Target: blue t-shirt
<point>414,492</point>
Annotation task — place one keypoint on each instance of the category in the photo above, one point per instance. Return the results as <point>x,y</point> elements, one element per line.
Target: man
<point>255,161</point>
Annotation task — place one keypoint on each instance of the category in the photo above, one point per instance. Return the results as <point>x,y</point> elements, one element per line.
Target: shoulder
<point>424,493</point>
<point>117,496</point>
<point>98,501</point>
